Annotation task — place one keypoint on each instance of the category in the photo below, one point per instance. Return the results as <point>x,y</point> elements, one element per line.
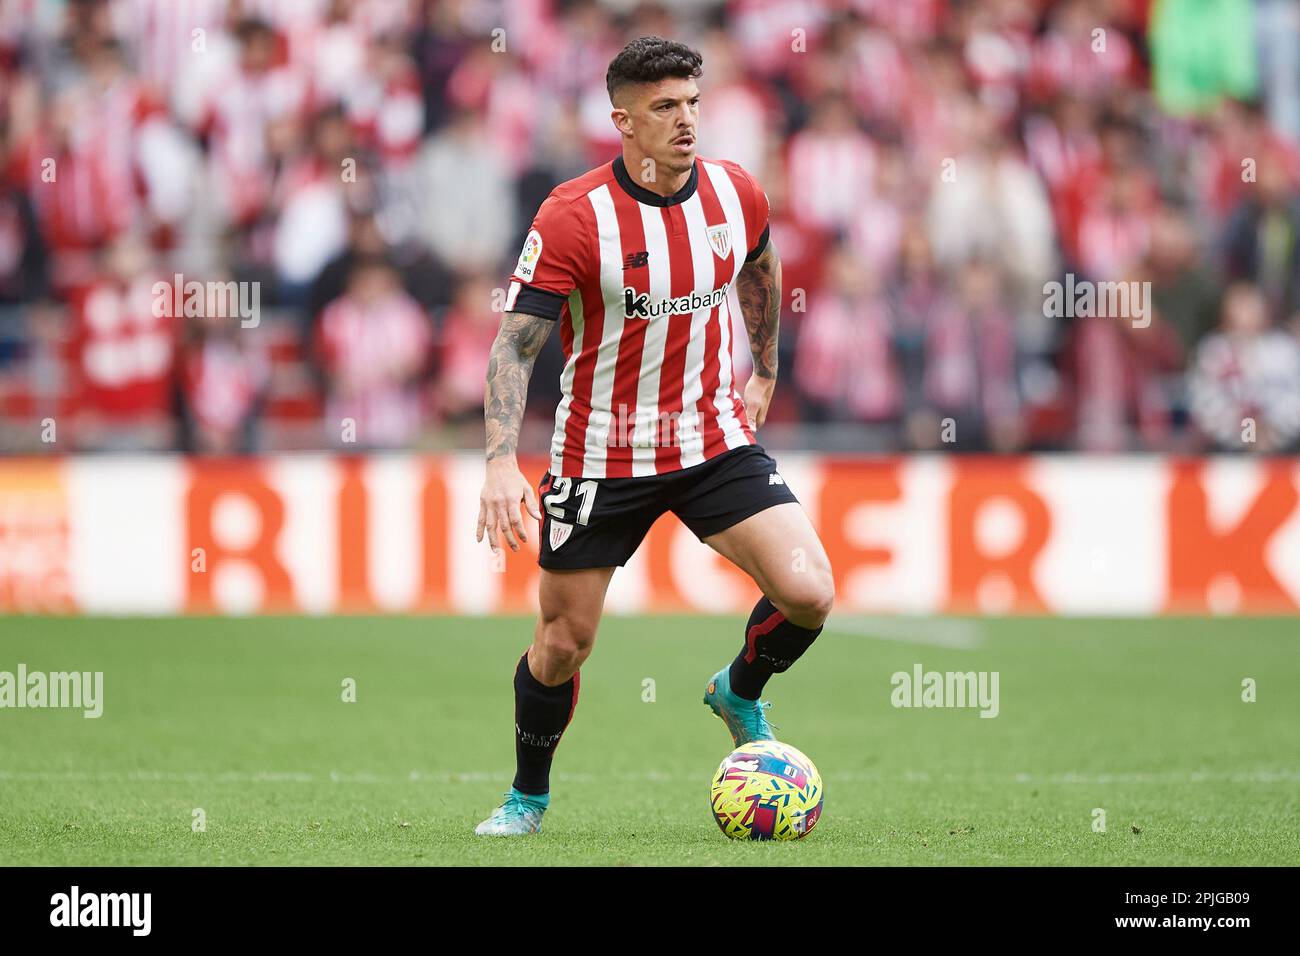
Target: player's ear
<point>622,120</point>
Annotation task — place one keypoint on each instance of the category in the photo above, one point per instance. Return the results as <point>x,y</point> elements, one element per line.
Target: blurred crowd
<point>370,167</point>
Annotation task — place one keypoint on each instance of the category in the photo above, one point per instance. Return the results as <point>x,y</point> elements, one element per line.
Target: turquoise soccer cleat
<point>520,814</point>
<point>744,718</point>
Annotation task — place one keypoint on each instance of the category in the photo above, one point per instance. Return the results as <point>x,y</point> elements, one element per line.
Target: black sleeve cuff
<point>534,301</point>
<point>759,246</point>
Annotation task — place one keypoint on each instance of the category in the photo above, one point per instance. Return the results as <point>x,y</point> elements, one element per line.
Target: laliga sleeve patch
<point>529,257</point>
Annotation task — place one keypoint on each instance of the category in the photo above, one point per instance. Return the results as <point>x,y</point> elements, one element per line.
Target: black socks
<point>772,644</point>
<point>541,714</point>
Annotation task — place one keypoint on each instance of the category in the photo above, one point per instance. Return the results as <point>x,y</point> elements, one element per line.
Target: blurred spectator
<point>1262,240</point>
<point>968,373</point>
<point>1063,146</point>
<point>440,42</point>
<point>993,207</point>
<point>558,157</point>
<point>493,86</point>
<point>365,242</point>
<point>1245,379</point>
<point>313,227</point>
<point>383,102</point>
<point>124,341</point>
<point>374,345</point>
<point>1115,373</point>
<point>146,160</point>
<point>105,160</point>
<point>802,246</point>
<point>741,112</point>
<point>1080,50</point>
<point>258,91</point>
<point>23,261</point>
<point>1277,33</point>
<point>773,33</point>
<point>427,280</point>
<point>833,161</point>
<point>845,369</point>
<point>467,219</point>
<point>881,80</point>
<point>1109,204</point>
<point>1183,290</point>
<point>1226,167</point>
<point>468,331</point>
<point>165,35</point>
<point>999,52</point>
<point>876,227</point>
<point>916,292</point>
<point>223,379</point>
<point>338,56</point>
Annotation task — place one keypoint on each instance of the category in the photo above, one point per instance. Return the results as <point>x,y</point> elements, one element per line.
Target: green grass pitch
<point>244,719</point>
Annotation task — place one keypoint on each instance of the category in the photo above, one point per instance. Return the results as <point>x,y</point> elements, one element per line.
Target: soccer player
<point>634,261</point>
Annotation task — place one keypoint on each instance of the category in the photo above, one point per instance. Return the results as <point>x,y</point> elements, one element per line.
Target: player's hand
<point>504,488</point>
<point>758,395</point>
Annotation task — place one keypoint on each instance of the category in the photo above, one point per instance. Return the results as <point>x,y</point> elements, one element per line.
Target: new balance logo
<point>636,260</point>
<point>775,480</point>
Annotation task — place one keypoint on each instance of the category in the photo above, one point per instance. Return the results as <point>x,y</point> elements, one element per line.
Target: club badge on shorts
<point>559,533</point>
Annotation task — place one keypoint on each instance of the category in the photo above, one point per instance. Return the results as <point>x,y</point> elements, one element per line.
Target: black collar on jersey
<point>641,194</point>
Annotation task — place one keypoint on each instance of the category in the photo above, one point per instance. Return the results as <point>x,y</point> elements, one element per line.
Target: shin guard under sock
<point>541,714</point>
<point>772,644</point>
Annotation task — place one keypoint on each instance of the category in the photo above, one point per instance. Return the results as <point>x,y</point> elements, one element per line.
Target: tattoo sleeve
<point>759,289</point>
<point>510,365</point>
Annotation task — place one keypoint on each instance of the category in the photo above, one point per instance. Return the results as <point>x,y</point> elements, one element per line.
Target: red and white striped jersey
<point>639,282</point>
<point>163,33</point>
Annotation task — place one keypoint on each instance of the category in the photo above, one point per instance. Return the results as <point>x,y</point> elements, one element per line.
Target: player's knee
<point>566,641</point>
<point>807,602</point>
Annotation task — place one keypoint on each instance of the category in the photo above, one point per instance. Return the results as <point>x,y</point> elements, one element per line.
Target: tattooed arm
<point>759,289</point>
<point>510,365</point>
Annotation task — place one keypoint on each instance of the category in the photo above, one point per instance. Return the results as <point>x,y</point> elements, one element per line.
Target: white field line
<point>938,632</point>
<point>650,776</point>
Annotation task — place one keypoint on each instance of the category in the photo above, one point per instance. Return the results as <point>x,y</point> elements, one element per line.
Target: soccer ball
<point>767,790</point>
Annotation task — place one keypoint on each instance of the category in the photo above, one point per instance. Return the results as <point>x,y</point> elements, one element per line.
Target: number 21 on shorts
<point>561,488</point>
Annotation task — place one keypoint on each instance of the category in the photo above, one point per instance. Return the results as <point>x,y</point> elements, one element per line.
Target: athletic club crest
<point>720,239</point>
<point>559,533</point>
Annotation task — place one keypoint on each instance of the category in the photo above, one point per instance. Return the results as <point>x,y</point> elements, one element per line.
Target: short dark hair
<point>651,59</point>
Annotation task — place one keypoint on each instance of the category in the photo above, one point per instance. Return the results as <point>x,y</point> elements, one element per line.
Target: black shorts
<point>600,522</point>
